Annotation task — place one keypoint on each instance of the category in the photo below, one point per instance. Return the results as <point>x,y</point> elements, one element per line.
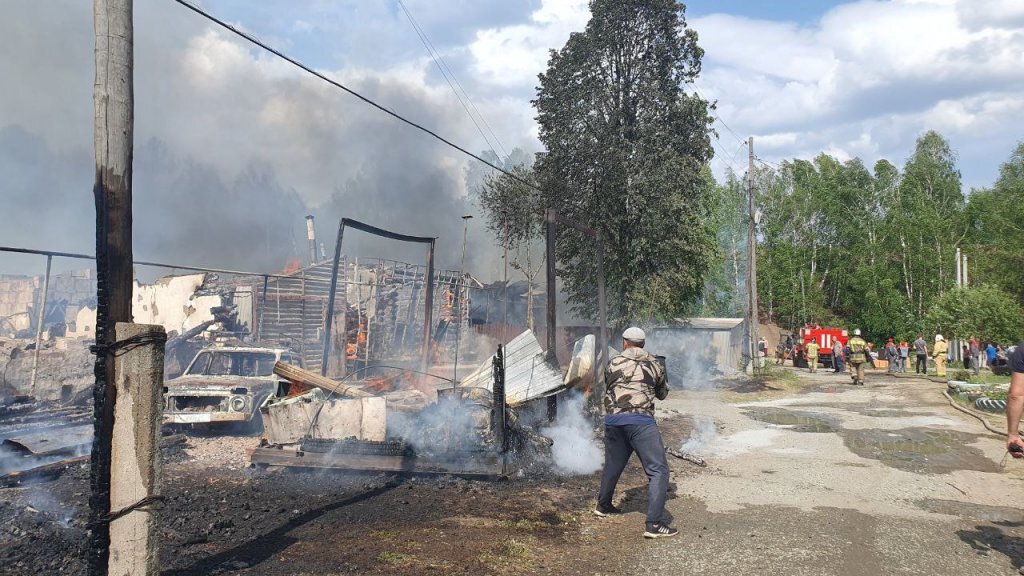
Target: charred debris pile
<point>483,425</point>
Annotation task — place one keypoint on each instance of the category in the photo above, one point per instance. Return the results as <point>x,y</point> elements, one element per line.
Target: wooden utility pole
<point>550,218</point>
<point>752,317</point>
<point>113,134</point>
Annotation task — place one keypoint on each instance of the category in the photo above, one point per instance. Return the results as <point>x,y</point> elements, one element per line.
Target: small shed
<point>699,345</point>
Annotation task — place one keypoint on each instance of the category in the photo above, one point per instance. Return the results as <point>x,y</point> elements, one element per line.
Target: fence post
<point>39,324</point>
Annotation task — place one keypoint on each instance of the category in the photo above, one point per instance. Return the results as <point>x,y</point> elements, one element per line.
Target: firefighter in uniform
<point>858,357</point>
<point>812,356</point>
<point>939,354</point>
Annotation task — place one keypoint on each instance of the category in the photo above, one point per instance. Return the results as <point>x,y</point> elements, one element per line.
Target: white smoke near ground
<point>40,500</point>
<point>701,436</point>
<point>449,427</point>
<point>575,449</point>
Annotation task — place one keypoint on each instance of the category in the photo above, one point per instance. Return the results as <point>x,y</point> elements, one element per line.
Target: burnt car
<point>225,386</point>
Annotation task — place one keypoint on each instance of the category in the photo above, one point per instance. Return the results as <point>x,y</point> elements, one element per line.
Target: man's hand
<point>1015,446</point>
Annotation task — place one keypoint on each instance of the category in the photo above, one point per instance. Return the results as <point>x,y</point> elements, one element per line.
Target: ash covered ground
<point>222,517</point>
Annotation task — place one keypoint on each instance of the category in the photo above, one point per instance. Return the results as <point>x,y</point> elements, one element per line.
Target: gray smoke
<point>232,149</point>
<point>689,357</point>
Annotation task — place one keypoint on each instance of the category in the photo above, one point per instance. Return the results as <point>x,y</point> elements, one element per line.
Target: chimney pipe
<point>311,236</point>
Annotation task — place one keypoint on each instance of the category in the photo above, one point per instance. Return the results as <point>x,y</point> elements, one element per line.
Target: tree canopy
<point>625,152</point>
<point>875,249</point>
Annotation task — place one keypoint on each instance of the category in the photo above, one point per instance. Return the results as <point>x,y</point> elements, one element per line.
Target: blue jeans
<point>619,444</point>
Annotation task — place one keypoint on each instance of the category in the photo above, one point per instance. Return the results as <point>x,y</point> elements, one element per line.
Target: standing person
<point>904,355</point>
<point>762,351</point>
<point>892,356</point>
<point>975,356</point>
<point>1015,402</point>
<point>858,357</point>
<point>837,356</point>
<point>633,380</point>
<point>965,353</point>
<point>990,354</point>
<point>812,356</point>
<point>939,354</point>
<point>921,350</point>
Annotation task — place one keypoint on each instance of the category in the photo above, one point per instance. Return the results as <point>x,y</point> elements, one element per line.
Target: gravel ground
<point>820,478</point>
<point>897,482</point>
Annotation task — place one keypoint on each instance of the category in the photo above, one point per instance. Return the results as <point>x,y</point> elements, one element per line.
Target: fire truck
<point>826,338</point>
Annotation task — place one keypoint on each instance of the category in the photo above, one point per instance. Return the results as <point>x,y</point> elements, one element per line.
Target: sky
<point>233,146</point>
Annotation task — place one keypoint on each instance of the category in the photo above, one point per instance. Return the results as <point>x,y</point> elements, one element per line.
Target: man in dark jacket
<point>921,350</point>
<point>633,381</point>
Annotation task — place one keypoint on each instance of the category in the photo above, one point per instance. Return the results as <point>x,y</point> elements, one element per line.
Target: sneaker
<point>660,531</point>
<point>602,511</point>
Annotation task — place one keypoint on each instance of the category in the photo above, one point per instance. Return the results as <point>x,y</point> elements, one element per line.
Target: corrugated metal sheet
<point>67,440</point>
<point>527,374</point>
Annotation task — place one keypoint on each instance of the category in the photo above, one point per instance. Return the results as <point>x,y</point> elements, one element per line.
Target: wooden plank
<point>300,376</point>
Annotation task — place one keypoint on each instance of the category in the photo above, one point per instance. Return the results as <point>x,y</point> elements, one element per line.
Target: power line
<point>716,116</point>
<point>341,86</point>
<point>449,76</point>
<point>444,70</point>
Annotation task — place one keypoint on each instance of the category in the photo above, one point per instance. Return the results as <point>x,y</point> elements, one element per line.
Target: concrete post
<point>39,324</point>
<point>135,449</point>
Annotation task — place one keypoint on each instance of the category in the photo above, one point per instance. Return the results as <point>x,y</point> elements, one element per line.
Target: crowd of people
<point>976,355</point>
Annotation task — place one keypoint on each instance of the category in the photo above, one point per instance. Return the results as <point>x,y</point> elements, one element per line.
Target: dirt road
<point>819,478</point>
<point>836,479</point>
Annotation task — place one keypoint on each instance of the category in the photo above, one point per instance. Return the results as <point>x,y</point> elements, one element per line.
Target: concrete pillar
<point>135,449</point>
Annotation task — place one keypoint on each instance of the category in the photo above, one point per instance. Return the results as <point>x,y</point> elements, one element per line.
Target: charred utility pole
<point>550,218</point>
<point>113,136</point>
<point>752,318</point>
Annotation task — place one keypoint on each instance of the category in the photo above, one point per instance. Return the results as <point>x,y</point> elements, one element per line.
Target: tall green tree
<point>929,220</point>
<point>513,208</point>
<point>995,220</point>
<point>725,284</point>
<point>625,151</point>
<point>984,311</point>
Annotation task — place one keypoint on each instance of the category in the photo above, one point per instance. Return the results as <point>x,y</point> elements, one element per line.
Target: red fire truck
<point>826,338</point>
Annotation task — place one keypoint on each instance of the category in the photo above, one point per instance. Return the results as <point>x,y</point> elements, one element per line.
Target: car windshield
<point>233,363</point>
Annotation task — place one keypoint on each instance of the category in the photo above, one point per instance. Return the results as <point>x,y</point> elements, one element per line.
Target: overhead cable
<point>449,76</point>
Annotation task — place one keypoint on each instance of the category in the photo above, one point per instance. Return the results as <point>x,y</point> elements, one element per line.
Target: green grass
<point>776,375</point>
<point>512,552</point>
<point>385,535</point>
<point>394,558</point>
<point>983,378</point>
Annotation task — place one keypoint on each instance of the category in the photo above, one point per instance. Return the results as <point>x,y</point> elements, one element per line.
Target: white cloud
<point>512,56</point>
<point>870,76</point>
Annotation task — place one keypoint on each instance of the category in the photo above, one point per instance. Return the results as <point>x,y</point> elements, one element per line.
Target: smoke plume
<point>689,357</point>
<point>575,449</point>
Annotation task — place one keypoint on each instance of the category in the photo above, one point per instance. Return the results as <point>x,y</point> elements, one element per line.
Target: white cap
<point>634,334</point>
<point>856,332</point>
<point>938,337</point>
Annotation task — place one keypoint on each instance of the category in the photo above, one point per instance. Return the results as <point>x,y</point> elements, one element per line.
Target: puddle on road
<point>917,448</point>
<point>796,421</point>
<point>923,450</point>
<point>1001,515</point>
